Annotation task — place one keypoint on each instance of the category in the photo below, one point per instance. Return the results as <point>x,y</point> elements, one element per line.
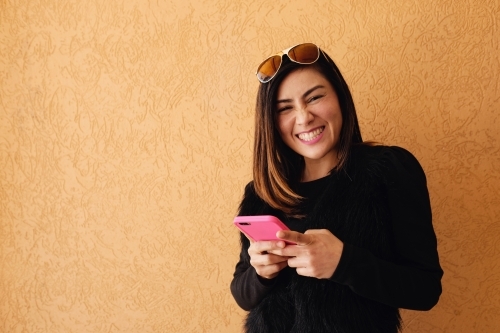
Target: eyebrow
<point>303,95</point>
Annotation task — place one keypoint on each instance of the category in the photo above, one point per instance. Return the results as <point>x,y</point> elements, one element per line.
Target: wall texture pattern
<point>126,133</point>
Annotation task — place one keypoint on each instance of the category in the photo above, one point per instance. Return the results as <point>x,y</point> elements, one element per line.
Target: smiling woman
<point>359,214</point>
<point>310,120</point>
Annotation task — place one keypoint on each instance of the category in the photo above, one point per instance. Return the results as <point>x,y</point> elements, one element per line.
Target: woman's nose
<point>303,116</point>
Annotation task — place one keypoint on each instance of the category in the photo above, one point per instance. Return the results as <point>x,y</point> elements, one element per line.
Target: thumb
<point>316,231</point>
<point>294,237</point>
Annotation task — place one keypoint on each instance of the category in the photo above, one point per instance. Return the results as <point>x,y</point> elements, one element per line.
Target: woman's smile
<point>311,136</point>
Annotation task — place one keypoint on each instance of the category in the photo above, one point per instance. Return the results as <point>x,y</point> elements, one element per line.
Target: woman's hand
<point>316,254</point>
<point>267,265</point>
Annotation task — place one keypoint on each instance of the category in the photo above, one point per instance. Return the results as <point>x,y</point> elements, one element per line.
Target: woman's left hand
<point>316,253</point>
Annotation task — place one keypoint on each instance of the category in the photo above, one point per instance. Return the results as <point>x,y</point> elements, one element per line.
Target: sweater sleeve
<point>413,281</point>
<point>247,288</point>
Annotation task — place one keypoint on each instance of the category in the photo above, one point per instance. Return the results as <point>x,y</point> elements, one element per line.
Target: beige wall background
<point>126,132</point>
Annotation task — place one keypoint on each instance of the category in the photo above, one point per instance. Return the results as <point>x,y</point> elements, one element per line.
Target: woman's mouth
<point>309,136</point>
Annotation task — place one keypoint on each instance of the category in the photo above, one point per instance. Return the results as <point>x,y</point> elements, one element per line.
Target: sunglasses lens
<point>304,53</point>
<point>268,68</point>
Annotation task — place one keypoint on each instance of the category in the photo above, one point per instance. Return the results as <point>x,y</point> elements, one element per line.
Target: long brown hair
<point>277,168</point>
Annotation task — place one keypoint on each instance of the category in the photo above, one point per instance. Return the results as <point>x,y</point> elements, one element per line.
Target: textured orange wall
<point>126,135</point>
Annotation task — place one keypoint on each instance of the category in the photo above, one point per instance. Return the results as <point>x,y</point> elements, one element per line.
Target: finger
<point>266,246</point>
<point>304,271</point>
<point>297,262</point>
<point>274,259</point>
<point>288,251</point>
<point>258,247</point>
<point>266,259</point>
<point>315,231</point>
<point>294,237</point>
<point>270,271</point>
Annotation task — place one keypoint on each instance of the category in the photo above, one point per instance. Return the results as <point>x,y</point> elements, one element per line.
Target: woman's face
<point>309,117</point>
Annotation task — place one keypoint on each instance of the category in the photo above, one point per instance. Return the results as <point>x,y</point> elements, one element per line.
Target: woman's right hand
<point>267,265</point>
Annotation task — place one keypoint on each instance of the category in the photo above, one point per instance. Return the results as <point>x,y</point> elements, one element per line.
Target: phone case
<point>260,227</point>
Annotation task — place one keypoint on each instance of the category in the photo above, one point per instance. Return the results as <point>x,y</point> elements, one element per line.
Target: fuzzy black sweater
<point>379,207</point>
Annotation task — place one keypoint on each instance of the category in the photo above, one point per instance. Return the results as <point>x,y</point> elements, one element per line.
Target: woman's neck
<point>316,169</point>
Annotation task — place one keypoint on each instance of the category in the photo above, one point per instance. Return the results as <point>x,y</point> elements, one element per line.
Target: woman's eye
<point>283,109</point>
<point>313,98</point>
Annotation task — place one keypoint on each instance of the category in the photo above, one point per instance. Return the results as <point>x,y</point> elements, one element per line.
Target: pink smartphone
<point>260,227</point>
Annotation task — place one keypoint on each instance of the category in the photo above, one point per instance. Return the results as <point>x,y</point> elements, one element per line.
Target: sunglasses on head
<point>305,54</point>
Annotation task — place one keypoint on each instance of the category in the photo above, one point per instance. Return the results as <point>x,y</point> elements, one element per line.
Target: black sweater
<point>413,281</point>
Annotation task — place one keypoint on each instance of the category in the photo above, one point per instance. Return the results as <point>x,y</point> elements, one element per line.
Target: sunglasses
<point>305,54</point>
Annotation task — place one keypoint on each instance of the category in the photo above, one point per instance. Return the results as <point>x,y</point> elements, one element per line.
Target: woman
<point>359,213</point>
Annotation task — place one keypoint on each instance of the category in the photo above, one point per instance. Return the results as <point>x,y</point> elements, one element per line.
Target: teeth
<point>311,135</point>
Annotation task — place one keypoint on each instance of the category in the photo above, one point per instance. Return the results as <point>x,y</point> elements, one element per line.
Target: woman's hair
<point>276,167</point>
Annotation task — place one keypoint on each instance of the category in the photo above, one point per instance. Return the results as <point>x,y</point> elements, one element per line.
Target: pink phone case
<point>260,227</point>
